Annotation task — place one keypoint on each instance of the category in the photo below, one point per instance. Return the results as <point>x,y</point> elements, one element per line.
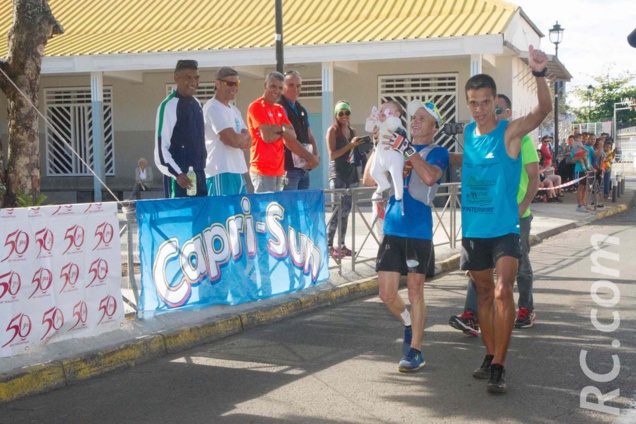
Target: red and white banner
<point>60,274</point>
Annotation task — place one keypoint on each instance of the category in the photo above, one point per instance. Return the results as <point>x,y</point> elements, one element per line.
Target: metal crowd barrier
<point>445,221</point>
<point>445,225</point>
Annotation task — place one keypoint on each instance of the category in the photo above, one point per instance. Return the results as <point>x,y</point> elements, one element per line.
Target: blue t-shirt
<point>490,181</point>
<point>417,221</point>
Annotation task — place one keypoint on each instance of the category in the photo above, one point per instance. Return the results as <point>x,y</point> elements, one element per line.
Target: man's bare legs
<point>580,192</point>
<point>496,306</point>
<point>389,283</point>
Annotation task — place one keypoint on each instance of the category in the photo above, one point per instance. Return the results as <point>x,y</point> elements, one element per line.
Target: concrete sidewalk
<point>65,363</point>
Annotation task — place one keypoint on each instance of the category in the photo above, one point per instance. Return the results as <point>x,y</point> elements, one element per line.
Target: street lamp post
<point>556,36</point>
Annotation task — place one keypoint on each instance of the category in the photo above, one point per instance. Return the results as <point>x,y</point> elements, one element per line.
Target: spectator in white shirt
<point>226,136</point>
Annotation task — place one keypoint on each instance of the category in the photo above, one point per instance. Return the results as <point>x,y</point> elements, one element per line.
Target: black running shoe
<point>483,372</point>
<point>497,381</point>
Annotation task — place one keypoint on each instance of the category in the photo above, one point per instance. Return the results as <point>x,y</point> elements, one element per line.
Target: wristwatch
<point>409,151</point>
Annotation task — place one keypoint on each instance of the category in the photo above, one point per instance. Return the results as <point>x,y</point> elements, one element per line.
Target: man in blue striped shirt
<point>180,136</point>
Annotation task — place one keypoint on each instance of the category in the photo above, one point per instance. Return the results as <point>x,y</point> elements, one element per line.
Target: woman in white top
<point>143,179</point>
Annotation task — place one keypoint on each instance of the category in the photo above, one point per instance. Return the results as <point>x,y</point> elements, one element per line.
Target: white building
<point>363,51</point>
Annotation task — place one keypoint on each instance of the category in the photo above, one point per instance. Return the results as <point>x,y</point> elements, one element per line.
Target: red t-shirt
<point>266,159</point>
<point>547,156</point>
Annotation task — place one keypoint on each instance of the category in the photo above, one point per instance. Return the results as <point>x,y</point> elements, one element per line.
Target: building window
<point>441,89</point>
<point>312,88</point>
<point>69,111</point>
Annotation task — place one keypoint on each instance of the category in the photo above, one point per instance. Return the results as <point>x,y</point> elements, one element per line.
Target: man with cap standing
<point>407,246</point>
<point>226,136</point>
<point>296,172</point>
<point>180,134</point>
<point>271,130</point>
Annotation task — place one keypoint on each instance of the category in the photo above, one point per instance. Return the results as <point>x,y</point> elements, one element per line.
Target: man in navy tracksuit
<point>180,136</point>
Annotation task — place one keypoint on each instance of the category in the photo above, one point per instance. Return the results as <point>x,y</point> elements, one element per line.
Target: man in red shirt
<point>271,130</point>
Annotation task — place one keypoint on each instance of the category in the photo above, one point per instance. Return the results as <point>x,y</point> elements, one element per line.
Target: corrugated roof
<point>95,27</point>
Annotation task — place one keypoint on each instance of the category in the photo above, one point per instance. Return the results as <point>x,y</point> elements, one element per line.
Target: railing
<point>364,240</point>
<point>446,225</point>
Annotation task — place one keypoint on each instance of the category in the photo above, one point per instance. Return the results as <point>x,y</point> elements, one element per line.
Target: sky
<point>594,38</point>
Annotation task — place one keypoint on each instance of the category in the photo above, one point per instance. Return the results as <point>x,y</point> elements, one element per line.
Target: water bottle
<point>192,191</point>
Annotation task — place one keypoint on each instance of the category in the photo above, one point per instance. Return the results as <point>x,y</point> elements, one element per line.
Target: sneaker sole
<point>526,325</point>
<point>496,389</point>
<point>458,325</point>
<point>481,375</point>
<point>408,370</point>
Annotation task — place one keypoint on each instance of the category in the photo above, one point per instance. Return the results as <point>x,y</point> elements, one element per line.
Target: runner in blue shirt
<point>407,247</point>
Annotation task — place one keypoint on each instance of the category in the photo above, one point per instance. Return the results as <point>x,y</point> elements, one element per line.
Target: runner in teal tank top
<point>490,179</point>
<point>490,182</point>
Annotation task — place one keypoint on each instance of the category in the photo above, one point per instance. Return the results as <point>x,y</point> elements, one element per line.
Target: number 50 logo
<point>53,319</point>
<point>21,327</point>
<point>75,237</point>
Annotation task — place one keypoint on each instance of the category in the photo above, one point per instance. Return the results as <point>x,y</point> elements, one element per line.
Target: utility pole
<point>280,63</point>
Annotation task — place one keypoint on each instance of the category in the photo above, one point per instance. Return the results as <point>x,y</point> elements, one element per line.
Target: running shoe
<point>466,322</point>
<point>581,208</point>
<point>483,372</point>
<point>408,338</point>
<point>497,381</point>
<point>525,318</point>
<point>412,361</point>
<point>334,253</point>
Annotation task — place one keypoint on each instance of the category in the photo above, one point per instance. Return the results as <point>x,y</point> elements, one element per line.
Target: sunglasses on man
<point>500,110</point>
<point>236,84</point>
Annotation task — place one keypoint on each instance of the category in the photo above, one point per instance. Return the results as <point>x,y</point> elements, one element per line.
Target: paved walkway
<point>64,363</point>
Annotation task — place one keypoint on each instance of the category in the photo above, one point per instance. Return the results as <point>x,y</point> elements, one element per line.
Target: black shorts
<point>578,175</point>
<point>479,254</point>
<point>406,255</point>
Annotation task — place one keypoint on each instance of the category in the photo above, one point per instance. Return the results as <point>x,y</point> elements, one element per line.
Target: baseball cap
<point>226,71</point>
<point>428,107</point>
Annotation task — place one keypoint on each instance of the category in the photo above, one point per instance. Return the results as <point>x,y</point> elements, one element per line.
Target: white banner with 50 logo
<point>60,274</point>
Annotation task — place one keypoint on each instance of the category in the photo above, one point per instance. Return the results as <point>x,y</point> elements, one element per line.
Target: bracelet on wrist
<point>540,74</point>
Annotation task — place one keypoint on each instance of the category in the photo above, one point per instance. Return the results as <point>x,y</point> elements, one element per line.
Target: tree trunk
<point>33,26</point>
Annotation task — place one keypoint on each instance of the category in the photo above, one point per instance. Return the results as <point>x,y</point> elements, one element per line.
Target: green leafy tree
<point>598,101</point>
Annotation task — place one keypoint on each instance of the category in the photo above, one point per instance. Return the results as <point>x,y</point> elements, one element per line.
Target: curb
<point>32,380</point>
<point>197,335</point>
<point>55,374</point>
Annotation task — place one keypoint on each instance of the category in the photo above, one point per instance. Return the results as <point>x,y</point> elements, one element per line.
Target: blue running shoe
<point>408,337</point>
<point>411,362</point>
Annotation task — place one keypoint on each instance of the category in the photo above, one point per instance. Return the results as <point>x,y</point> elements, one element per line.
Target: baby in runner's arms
<point>387,119</point>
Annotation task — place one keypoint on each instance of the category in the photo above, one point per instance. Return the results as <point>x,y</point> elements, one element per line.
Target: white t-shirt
<point>222,158</point>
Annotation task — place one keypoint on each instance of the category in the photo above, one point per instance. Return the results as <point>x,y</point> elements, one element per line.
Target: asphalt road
<point>340,364</point>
